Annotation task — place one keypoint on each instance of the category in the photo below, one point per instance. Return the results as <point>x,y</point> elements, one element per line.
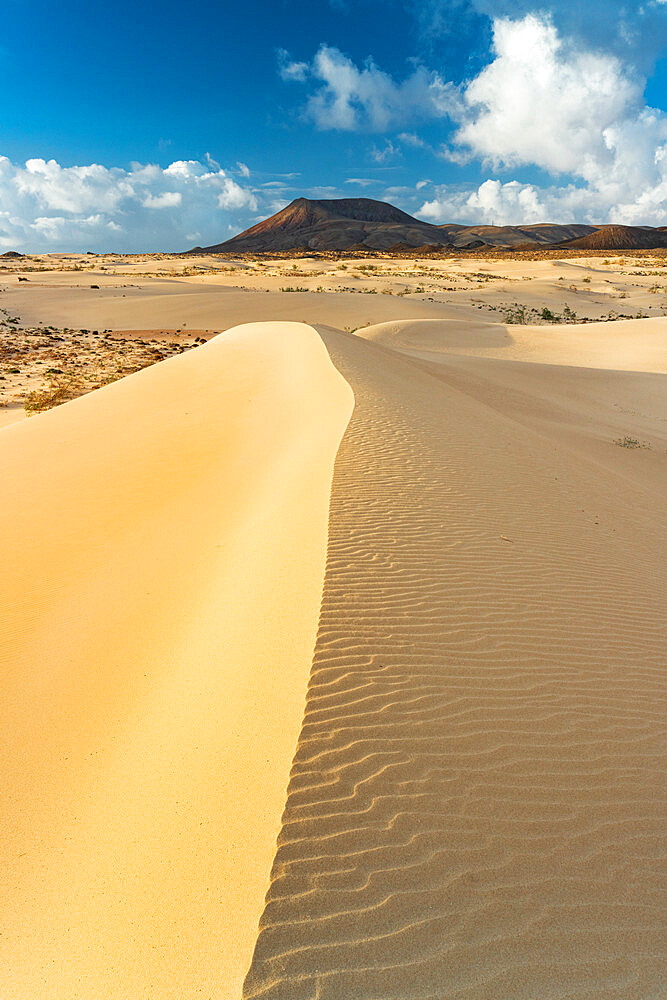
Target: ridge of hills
<point>366,224</point>
<point>622,238</point>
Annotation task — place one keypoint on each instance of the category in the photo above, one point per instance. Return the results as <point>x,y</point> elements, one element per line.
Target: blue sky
<point>158,126</point>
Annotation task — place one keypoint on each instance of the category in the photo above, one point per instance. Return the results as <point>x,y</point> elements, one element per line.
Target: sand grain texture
<point>474,810</point>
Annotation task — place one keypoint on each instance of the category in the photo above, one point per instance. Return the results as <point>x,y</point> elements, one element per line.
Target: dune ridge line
<point>163,550</point>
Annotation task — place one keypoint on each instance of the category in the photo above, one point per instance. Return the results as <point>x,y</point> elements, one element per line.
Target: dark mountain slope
<point>364,224</point>
<point>620,238</point>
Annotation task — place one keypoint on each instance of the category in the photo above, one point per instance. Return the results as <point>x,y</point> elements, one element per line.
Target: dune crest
<point>163,549</point>
<point>625,345</point>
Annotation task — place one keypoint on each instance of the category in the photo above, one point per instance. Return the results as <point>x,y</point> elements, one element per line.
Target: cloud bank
<point>568,111</point>
<point>45,205</point>
<point>541,102</point>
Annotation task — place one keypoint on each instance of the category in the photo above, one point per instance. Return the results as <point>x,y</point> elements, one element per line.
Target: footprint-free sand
<point>475,805</point>
<point>334,663</point>
<point>163,546</point>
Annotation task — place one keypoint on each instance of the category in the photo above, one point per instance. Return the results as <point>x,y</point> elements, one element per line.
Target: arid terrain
<point>333,617</point>
<point>70,323</point>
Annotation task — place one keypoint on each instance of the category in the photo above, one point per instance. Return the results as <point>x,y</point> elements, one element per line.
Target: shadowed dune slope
<point>474,810</point>
<point>163,549</point>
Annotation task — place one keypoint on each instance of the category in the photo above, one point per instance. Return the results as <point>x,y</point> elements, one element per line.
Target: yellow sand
<point>11,416</point>
<point>215,293</point>
<point>475,810</point>
<point>163,546</point>
<point>626,345</point>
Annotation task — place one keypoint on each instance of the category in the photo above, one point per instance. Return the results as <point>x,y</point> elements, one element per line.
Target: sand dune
<point>474,807</point>
<point>214,293</point>
<point>172,304</point>
<point>163,548</point>
<point>626,345</point>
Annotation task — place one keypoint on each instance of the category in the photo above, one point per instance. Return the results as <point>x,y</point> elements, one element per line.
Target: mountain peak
<point>335,224</point>
<point>363,223</point>
<point>359,209</point>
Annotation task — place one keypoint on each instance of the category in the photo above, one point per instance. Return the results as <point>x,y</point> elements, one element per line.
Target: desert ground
<point>333,617</point>
<point>72,322</point>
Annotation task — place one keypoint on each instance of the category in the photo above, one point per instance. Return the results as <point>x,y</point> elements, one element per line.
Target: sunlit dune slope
<point>163,548</point>
<point>629,345</point>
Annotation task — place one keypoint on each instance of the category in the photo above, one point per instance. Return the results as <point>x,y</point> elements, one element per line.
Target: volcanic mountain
<point>337,224</point>
<point>621,238</point>
<point>365,224</point>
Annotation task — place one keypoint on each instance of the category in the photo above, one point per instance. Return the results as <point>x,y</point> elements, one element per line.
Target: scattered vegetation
<point>61,389</point>
<point>515,314</point>
<point>42,367</point>
<point>631,442</point>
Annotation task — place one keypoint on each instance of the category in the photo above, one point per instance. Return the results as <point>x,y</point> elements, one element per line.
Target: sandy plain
<point>388,562</point>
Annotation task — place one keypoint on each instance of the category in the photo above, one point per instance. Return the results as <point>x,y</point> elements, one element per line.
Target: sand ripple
<point>474,806</point>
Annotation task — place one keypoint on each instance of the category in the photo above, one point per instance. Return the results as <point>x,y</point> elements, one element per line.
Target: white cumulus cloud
<point>542,102</point>
<point>349,98</point>
<point>44,205</point>
<point>168,199</point>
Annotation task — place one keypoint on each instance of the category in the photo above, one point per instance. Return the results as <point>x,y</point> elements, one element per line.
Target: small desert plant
<point>60,389</point>
<point>630,442</point>
<point>515,314</point>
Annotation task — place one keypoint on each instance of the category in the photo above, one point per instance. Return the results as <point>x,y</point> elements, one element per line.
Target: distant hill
<point>12,255</point>
<point>513,236</point>
<point>337,224</point>
<point>620,238</point>
<point>365,224</point>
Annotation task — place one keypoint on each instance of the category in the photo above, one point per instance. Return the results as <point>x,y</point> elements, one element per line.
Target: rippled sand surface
<point>474,808</point>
